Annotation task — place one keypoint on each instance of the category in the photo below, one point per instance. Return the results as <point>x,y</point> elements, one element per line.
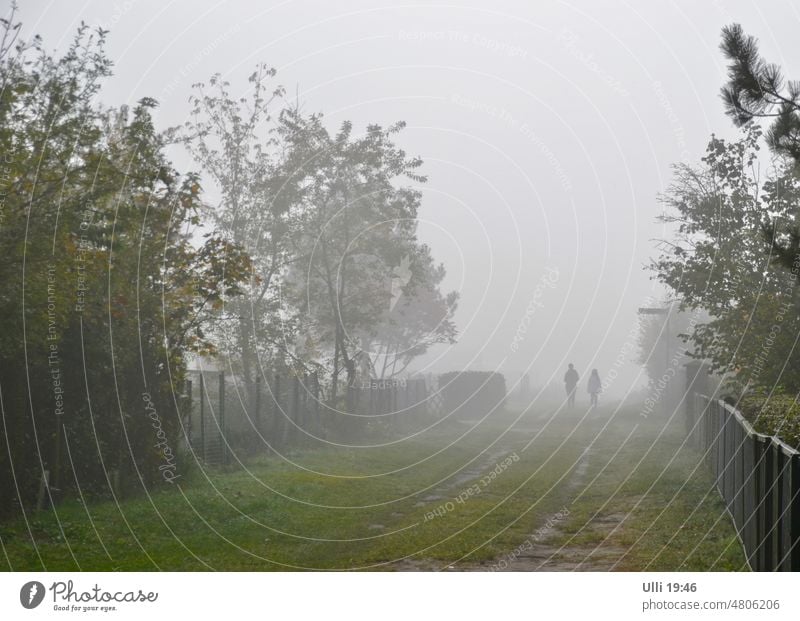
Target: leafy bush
<point>774,415</point>
<point>105,292</point>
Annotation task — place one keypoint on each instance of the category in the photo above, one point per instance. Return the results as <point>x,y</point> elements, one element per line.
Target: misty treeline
<point>118,270</point>
<point>733,260</point>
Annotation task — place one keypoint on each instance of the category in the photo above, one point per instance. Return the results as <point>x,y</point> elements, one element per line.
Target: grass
<point>396,507</point>
<point>667,514</point>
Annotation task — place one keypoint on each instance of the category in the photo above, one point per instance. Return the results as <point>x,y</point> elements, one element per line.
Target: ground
<point>540,490</point>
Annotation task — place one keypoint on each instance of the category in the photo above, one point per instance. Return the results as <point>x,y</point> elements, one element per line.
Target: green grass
<point>667,515</point>
<point>276,515</point>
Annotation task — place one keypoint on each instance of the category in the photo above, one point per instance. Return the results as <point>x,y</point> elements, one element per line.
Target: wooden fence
<point>758,477</point>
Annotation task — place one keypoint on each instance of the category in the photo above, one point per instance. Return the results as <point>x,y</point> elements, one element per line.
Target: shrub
<point>774,415</point>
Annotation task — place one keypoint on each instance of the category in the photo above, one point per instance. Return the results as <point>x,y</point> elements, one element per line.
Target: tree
<point>105,291</point>
<point>234,140</point>
<point>325,224</point>
<point>757,89</point>
<point>355,227</point>
<point>720,263</point>
<point>418,317</point>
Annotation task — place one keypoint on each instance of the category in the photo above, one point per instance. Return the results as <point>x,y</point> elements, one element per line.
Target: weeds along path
<point>539,551</point>
<point>548,491</point>
<point>637,498</point>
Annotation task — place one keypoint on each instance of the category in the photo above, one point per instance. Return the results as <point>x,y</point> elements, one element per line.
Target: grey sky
<point>548,128</point>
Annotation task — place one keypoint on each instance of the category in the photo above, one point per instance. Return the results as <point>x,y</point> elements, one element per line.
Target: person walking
<point>594,387</point>
<point>571,383</point>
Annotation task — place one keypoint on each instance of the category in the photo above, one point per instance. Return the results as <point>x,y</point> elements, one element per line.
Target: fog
<point>358,285</point>
<point>547,130</point>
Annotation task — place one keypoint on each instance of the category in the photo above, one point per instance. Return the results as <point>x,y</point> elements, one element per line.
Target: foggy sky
<point>547,131</point>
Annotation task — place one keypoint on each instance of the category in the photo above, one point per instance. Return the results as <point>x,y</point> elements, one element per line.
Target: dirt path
<point>539,552</point>
<point>475,471</point>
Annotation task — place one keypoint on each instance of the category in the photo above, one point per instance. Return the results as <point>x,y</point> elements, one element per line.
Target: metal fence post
<point>315,394</point>
<point>723,465</point>
<point>295,407</point>
<point>277,415</point>
<point>202,417</point>
<point>758,473</point>
<point>222,417</point>
<point>750,506</point>
<point>258,402</point>
<point>783,510</point>
<point>719,455</point>
<point>738,475</point>
<point>794,502</point>
<point>189,410</point>
<point>730,459</point>
<point>766,521</point>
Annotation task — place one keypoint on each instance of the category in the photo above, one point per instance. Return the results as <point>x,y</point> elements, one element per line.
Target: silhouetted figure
<point>350,367</point>
<point>571,383</point>
<point>594,387</point>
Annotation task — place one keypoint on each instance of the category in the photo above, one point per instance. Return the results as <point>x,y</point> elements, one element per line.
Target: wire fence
<point>225,421</point>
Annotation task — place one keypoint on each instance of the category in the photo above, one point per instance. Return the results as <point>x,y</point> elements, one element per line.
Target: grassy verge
<point>397,507</point>
<point>654,508</point>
